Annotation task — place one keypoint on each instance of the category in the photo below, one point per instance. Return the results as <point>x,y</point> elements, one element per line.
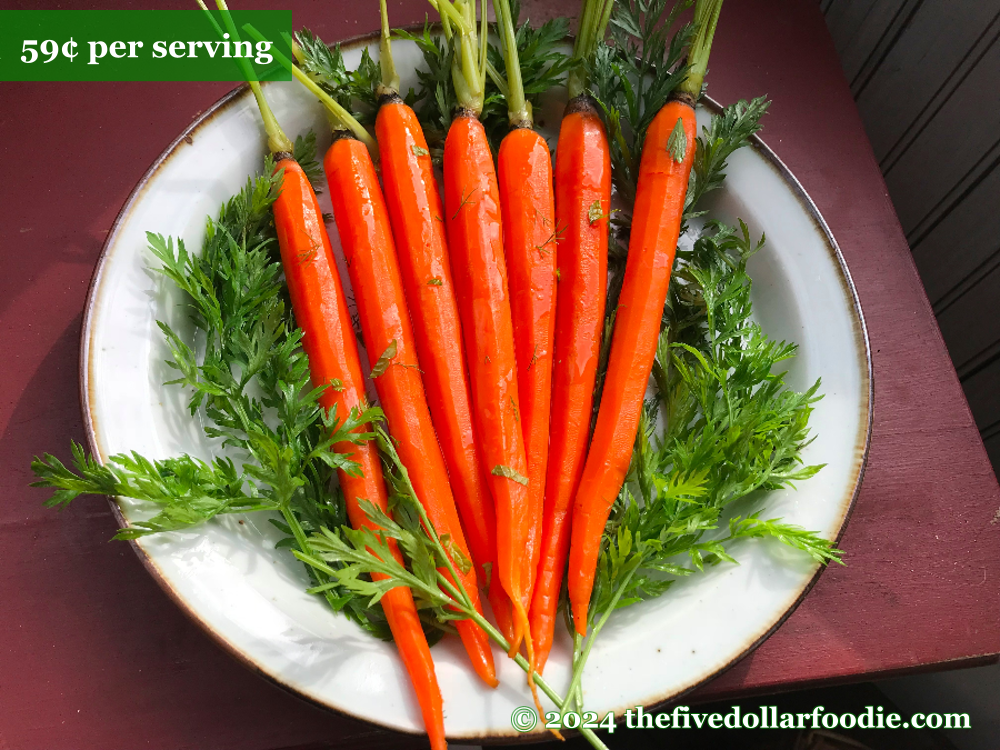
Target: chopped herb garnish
<point>385,360</point>
<point>505,471</point>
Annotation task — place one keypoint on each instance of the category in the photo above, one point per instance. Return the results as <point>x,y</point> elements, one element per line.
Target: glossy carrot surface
<point>417,216</point>
<point>366,237</point>
<point>656,222</point>
<point>583,200</point>
<point>529,233</point>
<point>320,310</point>
<point>475,240</point>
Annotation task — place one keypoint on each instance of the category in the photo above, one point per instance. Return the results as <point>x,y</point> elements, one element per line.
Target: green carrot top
<point>518,108</point>
<point>277,141</point>
<point>593,22</point>
<point>468,43</point>
<point>390,78</point>
<point>706,18</point>
<point>341,118</point>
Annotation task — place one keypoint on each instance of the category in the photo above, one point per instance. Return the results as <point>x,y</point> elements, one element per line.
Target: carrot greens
<point>326,65</point>
<point>304,152</point>
<point>251,379</point>
<point>634,76</point>
<point>733,427</point>
<point>347,557</point>
<point>434,100</point>
<point>631,78</point>
<point>728,132</point>
<point>541,61</point>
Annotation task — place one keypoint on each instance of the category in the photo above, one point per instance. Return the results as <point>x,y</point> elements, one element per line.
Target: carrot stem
<point>577,648</point>
<point>464,599</point>
<point>211,18</point>
<point>345,118</point>
<point>706,18</point>
<point>297,53</point>
<point>277,141</point>
<point>602,24</point>
<point>468,67</point>
<point>390,78</point>
<point>450,15</point>
<point>593,23</point>
<point>561,703</point>
<point>575,79</point>
<point>518,108</point>
<point>499,81</point>
<point>483,36</point>
<point>445,21</point>
<point>580,659</point>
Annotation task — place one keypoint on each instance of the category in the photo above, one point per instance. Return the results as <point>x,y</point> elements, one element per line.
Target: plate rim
<point>655,702</point>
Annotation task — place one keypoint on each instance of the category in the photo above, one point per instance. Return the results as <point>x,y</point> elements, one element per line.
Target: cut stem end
<point>706,18</point>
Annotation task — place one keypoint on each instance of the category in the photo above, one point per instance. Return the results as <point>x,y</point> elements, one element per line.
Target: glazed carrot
<point>656,222</point>
<point>417,217</point>
<point>583,201</point>
<point>527,203</point>
<point>667,156</point>
<point>472,207</point>
<point>528,207</point>
<point>363,223</point>
<point>475,239</point>
<point>321,312</point>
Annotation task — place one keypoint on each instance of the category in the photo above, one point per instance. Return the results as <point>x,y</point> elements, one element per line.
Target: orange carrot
<point>528,206</point>
<point>472,210</point>
<point>583,199</point>
<point>530,233</point>
<point>475,239</point>
<point>321,312</point>
<point>363,223</point>
<point>656,222</point>
<point>664,168</point>
<point>417,217</point>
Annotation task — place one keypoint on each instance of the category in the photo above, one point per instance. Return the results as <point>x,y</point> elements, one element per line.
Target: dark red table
<point>94,655</point>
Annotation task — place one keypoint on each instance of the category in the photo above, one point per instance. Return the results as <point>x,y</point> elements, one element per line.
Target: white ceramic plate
<point>251,598</point>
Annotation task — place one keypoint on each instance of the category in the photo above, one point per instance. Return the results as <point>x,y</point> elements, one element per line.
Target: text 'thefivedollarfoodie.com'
<point>525,719</point>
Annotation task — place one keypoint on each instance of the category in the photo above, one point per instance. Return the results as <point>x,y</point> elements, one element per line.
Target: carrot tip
<point>524,627</point>
<point>489,676</point>
<point>478,648</point>
<point>519,626</point>
<point>515,643</point>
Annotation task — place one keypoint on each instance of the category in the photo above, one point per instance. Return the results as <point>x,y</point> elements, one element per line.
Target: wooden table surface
<point>94,655</point>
